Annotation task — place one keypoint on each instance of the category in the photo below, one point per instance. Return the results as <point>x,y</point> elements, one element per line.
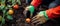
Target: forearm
<point>54,12</point>
<point>35,3</point>
<point>51,13</point>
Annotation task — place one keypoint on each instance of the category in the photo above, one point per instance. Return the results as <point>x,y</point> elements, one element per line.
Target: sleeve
<point>53,12</point>
<point>35,3</point>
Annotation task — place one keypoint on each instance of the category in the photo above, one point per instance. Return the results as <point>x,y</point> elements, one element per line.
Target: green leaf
<point>13,2</point>
<point>18,2</point>
<point>4,11</point>
<point>3,21</point>
<point>9,17</point>
<point>9,6</point>
<point>3,1</point>
<point>2,7</point>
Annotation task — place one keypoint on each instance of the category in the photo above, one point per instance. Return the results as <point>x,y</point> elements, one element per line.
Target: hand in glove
<point>29,8</point>
<point>40,18</point>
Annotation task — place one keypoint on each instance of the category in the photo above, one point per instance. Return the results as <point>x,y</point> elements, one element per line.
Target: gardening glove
<point>40,18</point>
<point>29,8</point>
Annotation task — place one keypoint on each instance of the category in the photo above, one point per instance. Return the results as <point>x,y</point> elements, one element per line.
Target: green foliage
<point>3,21</point>
<point>9,17</point>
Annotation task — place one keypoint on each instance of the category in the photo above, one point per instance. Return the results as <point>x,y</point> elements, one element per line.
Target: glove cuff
<point>44,14</point>
<point>31,8</point>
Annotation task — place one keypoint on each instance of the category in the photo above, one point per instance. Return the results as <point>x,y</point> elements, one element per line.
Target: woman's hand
<point>39,19</point>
